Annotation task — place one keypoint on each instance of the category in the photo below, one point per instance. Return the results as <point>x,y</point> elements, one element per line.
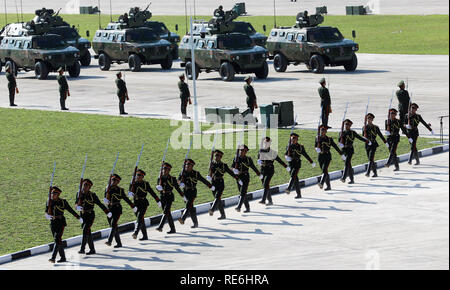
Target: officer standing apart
<point>122,93</point>
<point>63,89</point>
<point>12,85</point>
<point>325,102</point>
<point>403,101</point>
<point>185,95</point>
<point>251,97</point>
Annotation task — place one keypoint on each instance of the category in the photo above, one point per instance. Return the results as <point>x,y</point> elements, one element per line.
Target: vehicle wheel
<point>263,72</point>
<point>317,64</point>
<point>41,70</point>
<point>188,70</point>
<point>352,64</point>
<point>227,72</point>
<point>74,71</point>
<point>134,62</point>
<point>86,59</point>
<point>167,63</point>
<point>280,63</point>
<point>104,62</point>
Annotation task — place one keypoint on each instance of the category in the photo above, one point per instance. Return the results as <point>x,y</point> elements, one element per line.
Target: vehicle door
<point>27,53</point>
<point>291,46</point>
<point>211,60</point>
<point>201,54</point>
<point>300,52</point>
<point>121,45</point>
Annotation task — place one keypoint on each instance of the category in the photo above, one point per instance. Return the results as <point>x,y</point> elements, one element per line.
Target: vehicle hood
<point>69,49</point>
<point>253,50</point>
<point>161,42</point>
<point>344,42</point>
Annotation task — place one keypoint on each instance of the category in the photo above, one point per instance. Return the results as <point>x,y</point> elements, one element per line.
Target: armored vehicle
<point>160,29</point>
<point>127,41</point>
<point>316,46</point>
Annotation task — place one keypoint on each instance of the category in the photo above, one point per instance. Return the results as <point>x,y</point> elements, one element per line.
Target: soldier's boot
<point>62,254</point>
<point>194,217</point>
<point>83,245</point>
<point>374,168</point>
<point>171,224</point>
<point>345,174</point>
<point>298,190</point>
<point>352,176</point>
<point>117,238</point>
<point>90,241</point>
<point>322,181</point>
<point>416,155</point>
<point>144,233</point>
<point>369,168</point>
<point>54,253</point>
<point>161,223</point>
<point>263,200</point>
<point>397,167</point>
<point>221,210</point>
<point>111,236</point>
<point>411,156</point>
<point>327,181</point>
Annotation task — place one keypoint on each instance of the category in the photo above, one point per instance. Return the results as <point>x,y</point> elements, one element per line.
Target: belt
<point>87,211</point>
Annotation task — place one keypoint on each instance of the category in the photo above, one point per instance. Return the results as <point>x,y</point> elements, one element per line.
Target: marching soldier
<point>54,212</point>
<point>122,93</point>
<point>139,191</point>
<point>346,140</point>
<point>266,158</point>
<point>325,101</point>
<point>241,166</point>
<point>185,95</point>
<point>323,145</point>
<point>216,174</point>
<point>63,89</point>
<point>413,120</point>
<point>393,127</point>
<point>113,196</point>
<point>293,156</point>
<point>85,203</point>
<point>251,96</point>
<point>371,131</point>
<point>403,101</point>
<point>12,85</point>
<point>187,181</point>
<point>166,185</point>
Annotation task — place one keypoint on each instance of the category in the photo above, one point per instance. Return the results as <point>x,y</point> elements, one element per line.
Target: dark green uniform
<point>121,94</point>
<point>393,126</point>
<point>243,164</point>
<point>295,152</point>
<point>63,90</point>
<point>347,138</point>
<point>371,132</point>
<point>140,190</point>
<point>184,96</point>
<point>11,87</point>
<point>403,103</point>
<point>168,184</point>
<point>324,143</point>
<point>414,120</point>
<point>251,97</point>
<point>267,158</point>
<point>325,103</point>
<point>217,172</point>
<point>116,194</point>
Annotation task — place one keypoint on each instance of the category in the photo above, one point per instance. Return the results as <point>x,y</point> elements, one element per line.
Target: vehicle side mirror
<point>264,28</point>
<point>353,34</point>
<point>87,33</point>
<point>176,27</point>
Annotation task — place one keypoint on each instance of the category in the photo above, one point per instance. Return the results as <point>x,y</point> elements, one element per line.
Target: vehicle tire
<point>188,70</point>
<point>104,62</point>
<point>263,72</point>
<point>134,63</point>
<point>41,70</point>
<point>86,59</point>
<point>166,64</point>
<point>352,64</point>
<point>317,64</point>
<point>74,70</point>
<point>280,63</point>
<point>227,72</point>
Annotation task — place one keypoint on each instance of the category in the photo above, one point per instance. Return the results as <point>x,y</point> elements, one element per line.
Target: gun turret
<point>222,22</point>
<point>304,20</point>
<point>135,17</point>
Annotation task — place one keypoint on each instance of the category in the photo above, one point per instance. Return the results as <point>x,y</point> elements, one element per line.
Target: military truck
<point>34,49</point>
<point>54,25</point>
<point>128,41</point>
<point>311,44</point>
<point>160,29</point>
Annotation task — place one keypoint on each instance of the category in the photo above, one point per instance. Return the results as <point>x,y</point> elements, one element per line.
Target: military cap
<point>348,121</point>
<point>401,83</point>
<point>370,115</point>
<point>322,80</point>
<point>118,73</point>
<point>141,171</point>
<point>218,152</point>
<point>166,164</point>
<point>295,135</point>
<point>60,69</point>
<point>393,110</point>
<point>241,147</point>
<point>414,105</point>
<point>56,190</point>
<point>247,78</point>
<point>181,75</point>
<point>190,161</point>
<point>88,181</point>
<point>116,176</point>
<point>325,127</point>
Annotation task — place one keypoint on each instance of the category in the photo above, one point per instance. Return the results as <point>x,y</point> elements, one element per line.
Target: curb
<point>203,208</point>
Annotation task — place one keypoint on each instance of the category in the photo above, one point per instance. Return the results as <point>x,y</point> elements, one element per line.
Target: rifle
<point>49,202</point>
<point>409,110</point>
<point>162,162</point>
<point>212,154</point>
<point>318,128</point>
<point>77,201</point>
<point>110,177</point>
<point>292,131</point>
<point>343,120</point>
<point>388,125</point>
<point>365,118</point>
<point>135,170</point>
<point>185,161</point>
<point>146,8</point>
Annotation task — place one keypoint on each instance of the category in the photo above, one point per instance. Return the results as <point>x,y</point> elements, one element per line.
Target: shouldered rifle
<point>212,154</point>
<point>110,177</point>
<point>49,202</point>
<point>318,128</point>
<point>80,187</point>
<point>365,118</point>
<point>185,161</point>
<point>135,170</point>
<point>388,125</point>
<point>409,110</point>
<point>292,131</point>
<point>342,126</point>
<point>162,162</point>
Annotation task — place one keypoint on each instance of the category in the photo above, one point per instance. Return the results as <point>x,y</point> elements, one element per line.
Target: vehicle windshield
<point>49,42</point>
<point>141,35</point>
<point>234,42</point>
<point>158,27</point>
<point>324,35</point>
<point>244,27</point>
<point>67,33</point>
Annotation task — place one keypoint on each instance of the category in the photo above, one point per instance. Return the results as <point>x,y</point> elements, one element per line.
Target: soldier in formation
<point>370,132</point>
<point>393,127</point>
<point>412,120</point>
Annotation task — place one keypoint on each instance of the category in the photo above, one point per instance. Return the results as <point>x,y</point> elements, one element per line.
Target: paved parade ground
<point>396,221</point>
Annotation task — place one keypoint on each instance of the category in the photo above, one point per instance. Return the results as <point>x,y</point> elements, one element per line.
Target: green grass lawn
<point>392,34</point>
<point>32,140</point>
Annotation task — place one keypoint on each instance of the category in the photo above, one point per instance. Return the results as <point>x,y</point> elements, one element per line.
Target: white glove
<point>109,215</point>
<point>288,159</point>
<point>185,199</point>
<point>288,169</point>
<point>240,182</point>
<point>105,201</point>
<point>80,220</point>
<point>432,132</point>
<point>209,178</point>
<point>259,162</point>
<point>213,188</point>
<point>318,150</point>
<point>182,185</point>
<point>159,188</point>
<point>387,133</point>
<point>261,177</point>
<point>370,143</point>
<point>235,171</point>
<point>135,209</point>
<point>159,204</point>
<point>79,208</point>
<point>408,126</point>
<point>313,164</point>
<point>387,145</point>
<point>340,145</point>
<point>130,194</point>
<point>410,140</point>
<point>343,157</point>
<point>47,216</point>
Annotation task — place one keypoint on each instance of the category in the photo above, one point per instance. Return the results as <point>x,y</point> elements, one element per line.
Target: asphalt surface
<point>396,221</point>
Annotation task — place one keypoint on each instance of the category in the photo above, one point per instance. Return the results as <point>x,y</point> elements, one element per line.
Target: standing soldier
<point>217,171</point>
<point>403,101</point>
<point>166,184</point>
<point>413,120</point>
<point>266,158</point>
<point>393,127</point>
<point>122,93</point>
<point>251,96</point>
<point>113,196</point>
<point>187,181</point>
<point>12,85</point>
<point>185,95</point>
<point>371,131</point>
<point>55,213</point>
<point>139,191</point>
<point>63,89</point>
<point>85,203</point>
<point>325,101</point>
<point>293,156</point>
<point>323,145</point>
<point>241,165</point>
<point>346,140</point>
